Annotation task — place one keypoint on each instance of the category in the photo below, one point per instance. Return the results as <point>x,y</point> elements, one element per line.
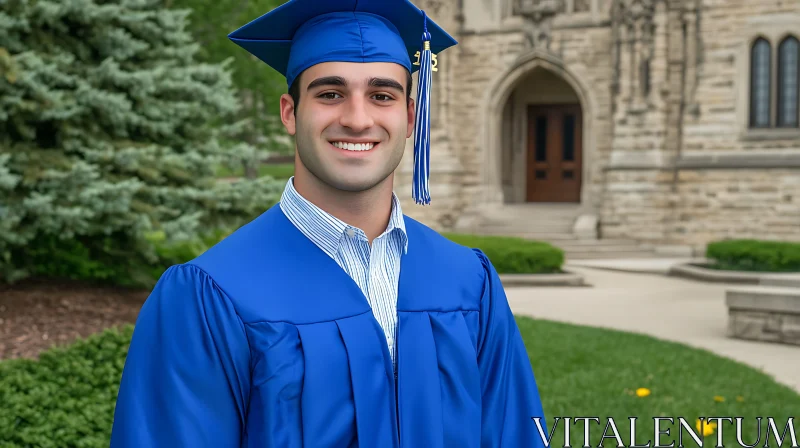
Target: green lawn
<point>67,398</point>
<point>590,372</point>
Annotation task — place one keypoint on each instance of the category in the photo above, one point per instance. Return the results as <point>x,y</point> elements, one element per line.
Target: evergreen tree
<point>110,129</point>
<point>258,86</point>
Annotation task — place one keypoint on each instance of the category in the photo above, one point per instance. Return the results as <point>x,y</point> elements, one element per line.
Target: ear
<point>412,110</point>
<point>287,113</point>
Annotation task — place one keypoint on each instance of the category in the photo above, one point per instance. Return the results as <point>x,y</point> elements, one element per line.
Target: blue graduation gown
<point>264,341</point>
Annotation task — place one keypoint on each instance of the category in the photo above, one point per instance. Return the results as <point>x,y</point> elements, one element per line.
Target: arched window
<point>788,81</point>
<point>760,83</point>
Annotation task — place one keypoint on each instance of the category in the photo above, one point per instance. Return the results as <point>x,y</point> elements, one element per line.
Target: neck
<point>368,210</point>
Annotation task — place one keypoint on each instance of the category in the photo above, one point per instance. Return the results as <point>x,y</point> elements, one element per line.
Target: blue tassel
<point>422,129</point>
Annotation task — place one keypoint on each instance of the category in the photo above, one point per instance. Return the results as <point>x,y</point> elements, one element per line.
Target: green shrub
<point>279,171</point>
<point>755,255</point>
<point>67,397</point>
<point>170,253</point>
<point>99,259</point>
<point>282,171</point>
<point>76,260</point>
<point>511,255</point>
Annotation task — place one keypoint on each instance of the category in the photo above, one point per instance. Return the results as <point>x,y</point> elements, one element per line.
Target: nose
<point>355,115</point>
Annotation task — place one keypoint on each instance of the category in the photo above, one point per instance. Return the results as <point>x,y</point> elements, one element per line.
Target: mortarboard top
<point>302,33</point>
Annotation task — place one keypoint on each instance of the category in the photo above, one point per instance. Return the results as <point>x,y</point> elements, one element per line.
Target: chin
<point>357,185</point>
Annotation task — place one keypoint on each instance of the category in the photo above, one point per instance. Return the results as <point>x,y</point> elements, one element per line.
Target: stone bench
<point>792,281</point>
<point>764,313</point>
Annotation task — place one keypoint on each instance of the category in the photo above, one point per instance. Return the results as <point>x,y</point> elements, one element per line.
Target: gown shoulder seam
<point>226,297</point>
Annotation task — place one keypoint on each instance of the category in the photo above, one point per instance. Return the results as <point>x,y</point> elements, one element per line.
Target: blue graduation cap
<point>302,33</point>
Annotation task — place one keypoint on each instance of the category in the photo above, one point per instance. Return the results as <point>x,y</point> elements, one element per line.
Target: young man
<point>333,320</point>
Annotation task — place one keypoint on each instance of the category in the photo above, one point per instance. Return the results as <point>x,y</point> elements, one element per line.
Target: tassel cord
<point>421,186</point>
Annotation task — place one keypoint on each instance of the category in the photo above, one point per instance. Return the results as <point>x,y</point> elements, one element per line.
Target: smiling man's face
<point>351,123</point>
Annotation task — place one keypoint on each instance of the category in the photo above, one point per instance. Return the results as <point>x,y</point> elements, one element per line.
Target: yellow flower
<point>719,399</point>
<point>740,398</point>
<point>707,427</point>
<point>642,392</point>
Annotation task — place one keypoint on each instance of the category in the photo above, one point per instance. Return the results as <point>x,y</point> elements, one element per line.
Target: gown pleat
<point>458,378</point>
<point>275,412</point>
<point>326,422</point>
<point>371,379</point>
<point>420,399</point>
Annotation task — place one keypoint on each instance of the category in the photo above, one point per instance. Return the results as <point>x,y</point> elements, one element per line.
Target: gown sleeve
<point>509,391</point>
<point>186,376</point>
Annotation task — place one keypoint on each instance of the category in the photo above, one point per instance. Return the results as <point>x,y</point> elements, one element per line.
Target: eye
<point>382,97</point>
<point>328,95</point>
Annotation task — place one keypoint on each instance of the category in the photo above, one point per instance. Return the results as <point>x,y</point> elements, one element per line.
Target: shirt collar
<point>326,230</point>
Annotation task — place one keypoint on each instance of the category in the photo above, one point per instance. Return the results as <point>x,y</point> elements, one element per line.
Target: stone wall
<point>636,205</point>
<point>718,90</point>
<point>482,59</point>
<point>706,176</point>
<point>715,203</point>
<point>736,203</point>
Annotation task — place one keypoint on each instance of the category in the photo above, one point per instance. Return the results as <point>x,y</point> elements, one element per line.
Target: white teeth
<point>354,146</point>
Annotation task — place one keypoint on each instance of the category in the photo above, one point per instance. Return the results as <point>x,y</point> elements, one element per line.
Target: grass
<point>67,398</point>
<point>592,372</point>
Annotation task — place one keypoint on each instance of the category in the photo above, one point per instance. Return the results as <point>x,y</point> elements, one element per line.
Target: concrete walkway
<point>675,309</point>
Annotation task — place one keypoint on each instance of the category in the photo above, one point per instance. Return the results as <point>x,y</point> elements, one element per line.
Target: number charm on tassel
<point>422,129</point>
<point>433,58</point>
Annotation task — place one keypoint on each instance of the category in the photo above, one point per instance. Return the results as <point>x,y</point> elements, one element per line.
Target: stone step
<point>542,206</point>
<point>608,255</point>
<point>527,223</point>
<point>538,228</point>
<point>599,249</point>
<point>506,219</point>
<point>593,243</point>
<point>529,215</point>
<point>538,236</point>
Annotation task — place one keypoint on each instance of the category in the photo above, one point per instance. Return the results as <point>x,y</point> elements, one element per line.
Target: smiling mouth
<point>355,147</point>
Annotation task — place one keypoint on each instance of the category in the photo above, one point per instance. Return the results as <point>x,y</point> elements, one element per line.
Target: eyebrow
<point>341,82</point>
<point>327,81</point>
<point>386,83</point>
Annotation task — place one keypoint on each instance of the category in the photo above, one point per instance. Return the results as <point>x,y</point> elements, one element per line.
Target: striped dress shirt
<point>376,269</point>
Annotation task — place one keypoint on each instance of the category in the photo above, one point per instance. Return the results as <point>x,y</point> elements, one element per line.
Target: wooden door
<point>554,153</point>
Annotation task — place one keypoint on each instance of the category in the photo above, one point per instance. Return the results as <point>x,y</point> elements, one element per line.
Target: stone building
<point>669,123</point>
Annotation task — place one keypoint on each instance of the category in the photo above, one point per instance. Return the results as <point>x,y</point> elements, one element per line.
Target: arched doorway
<point>542,141</point>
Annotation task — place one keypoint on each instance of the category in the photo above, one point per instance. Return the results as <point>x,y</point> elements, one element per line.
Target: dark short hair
<point>294,90</point>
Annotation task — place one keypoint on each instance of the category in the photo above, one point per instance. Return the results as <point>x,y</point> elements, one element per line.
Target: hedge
<point>511,255</point>
<point>67,398</point>
<point>755,255</point>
